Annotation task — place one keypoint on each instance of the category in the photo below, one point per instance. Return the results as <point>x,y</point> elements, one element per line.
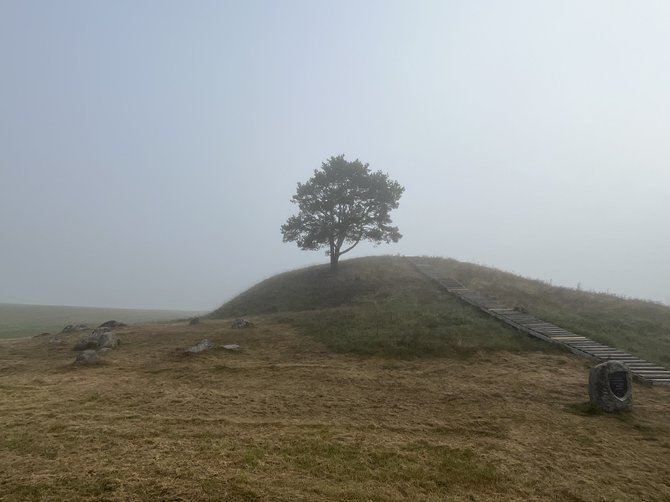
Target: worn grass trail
<point>288,419</point>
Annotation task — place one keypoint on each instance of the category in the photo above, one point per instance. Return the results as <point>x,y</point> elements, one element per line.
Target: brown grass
<point>284,419</point>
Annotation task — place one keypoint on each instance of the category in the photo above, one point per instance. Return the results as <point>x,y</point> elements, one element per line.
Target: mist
<point>149,150</point>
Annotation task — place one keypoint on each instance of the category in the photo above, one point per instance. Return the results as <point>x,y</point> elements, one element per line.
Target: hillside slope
<point>637,326</point>
<point>382,304</point>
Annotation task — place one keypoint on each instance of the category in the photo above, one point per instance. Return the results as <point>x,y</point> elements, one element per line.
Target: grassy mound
<point>377,305</point>
<point>383,305</point>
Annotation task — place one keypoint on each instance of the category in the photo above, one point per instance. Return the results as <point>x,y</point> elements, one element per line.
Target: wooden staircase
<point>642,370</point>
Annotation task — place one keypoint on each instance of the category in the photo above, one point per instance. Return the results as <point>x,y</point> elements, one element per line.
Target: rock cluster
<point>91,346</point>
<point>241,323</point>
<point>99,338</point>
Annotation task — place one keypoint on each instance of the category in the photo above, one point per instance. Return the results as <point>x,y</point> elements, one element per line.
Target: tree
<point>343,204</point>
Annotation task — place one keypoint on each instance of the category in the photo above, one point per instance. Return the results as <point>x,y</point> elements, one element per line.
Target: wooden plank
<point>587,347</point>
<point>611,354</point>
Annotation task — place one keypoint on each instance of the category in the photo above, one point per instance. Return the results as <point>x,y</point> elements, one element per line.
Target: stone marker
<point>611,386</point>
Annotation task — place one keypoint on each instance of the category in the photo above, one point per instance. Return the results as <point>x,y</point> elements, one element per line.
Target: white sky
<point>149,150</point>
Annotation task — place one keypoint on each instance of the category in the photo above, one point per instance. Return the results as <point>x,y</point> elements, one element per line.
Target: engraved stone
<point>611,386</point>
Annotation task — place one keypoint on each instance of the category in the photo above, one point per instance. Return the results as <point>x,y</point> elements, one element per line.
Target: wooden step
<point>644,366</point>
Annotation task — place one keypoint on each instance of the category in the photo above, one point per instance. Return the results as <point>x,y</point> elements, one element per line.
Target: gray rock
<point>194,321</point>
<point>112,324</point>
<point>86,343</point>
<point>104,351</point>
<point>108,340</point>
<point>231,346</point>
<point>201,346</point>
<point>87,357</point>
<point>241,323</point>
<point>99,338</point>
<point>611,387</point>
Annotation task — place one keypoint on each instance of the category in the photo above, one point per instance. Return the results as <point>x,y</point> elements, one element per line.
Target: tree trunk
<point>333,262</point>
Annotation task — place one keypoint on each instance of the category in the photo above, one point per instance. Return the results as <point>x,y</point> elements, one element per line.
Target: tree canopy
<point>343,204</point>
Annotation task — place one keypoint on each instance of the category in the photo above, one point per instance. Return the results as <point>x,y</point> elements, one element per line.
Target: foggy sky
<point>149,150</point>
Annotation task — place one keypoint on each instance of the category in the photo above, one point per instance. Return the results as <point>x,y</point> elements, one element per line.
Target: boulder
<point>611,387</point>
<point>108,340</point>
<point>231,346</point>
<point>241,323</point>
<point>87,357</point>
<point>112,324</point>
<point>86,343</point>
<point>194,321</point>
<point>201,346</point>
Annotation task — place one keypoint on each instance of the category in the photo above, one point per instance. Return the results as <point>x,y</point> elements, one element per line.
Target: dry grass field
<point>288,419</point>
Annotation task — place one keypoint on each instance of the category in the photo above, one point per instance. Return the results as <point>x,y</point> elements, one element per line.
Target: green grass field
<point>18,321</point>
